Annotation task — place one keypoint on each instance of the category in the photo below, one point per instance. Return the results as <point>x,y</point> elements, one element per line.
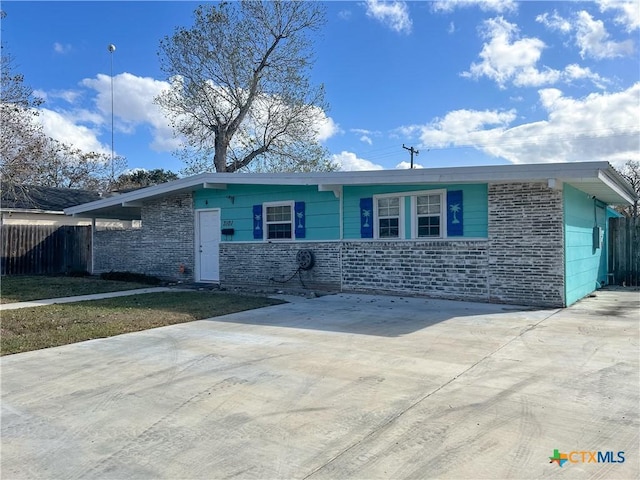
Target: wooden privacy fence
<point>45,249</point>
<point>624,251</point>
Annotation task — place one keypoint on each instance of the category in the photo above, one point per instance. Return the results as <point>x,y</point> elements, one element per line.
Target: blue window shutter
<point>257,222</point>
<point>455,214</point>
<point>300,219</point>
<point>366,218</point>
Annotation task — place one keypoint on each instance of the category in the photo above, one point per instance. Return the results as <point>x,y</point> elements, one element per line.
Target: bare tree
<point>631,173</point>
<point>29,157</point>
<point>65,166</point>
<point>22,140</point>
<point>240,90</point>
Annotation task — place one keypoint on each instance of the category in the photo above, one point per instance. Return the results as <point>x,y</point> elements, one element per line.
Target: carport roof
<point>598,179</point>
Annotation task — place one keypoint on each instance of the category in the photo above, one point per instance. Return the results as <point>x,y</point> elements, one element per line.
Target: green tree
<point>141,178</point>
<point>240,94</point>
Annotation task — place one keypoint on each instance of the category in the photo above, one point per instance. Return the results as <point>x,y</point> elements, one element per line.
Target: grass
<point>38,287</point>
<point>34,328</point>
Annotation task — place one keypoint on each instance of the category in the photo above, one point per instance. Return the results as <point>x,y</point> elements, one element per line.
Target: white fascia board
<point>488,174</point>
<point>623,190</point>
<point>183,184</point>
<point>32,210</point>
<point>492,173</point>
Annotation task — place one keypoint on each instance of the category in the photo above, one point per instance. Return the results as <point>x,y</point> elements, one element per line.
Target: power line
<point>412,150</point>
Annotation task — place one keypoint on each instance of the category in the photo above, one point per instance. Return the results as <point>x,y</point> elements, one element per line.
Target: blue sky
<point>465,82</point>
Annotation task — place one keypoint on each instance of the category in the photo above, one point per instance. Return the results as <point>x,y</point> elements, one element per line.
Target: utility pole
<point>112,48</point>
<point>412,150</point>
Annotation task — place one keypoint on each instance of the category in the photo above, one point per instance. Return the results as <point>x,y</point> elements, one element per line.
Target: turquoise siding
<point>322,209</point>
<point>474,198</point>
<point>585,266</point>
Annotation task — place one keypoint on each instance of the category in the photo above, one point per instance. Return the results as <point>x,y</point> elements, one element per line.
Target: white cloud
<point>593,39</point>
<point>576,72</point>
<point>601,126</point>
<point>344,15</point>
<point>591,36</point>
<point>365,135</point>
<point>62,126</point>
<point>407,165</point>
<point>394,15</point>
<point>133,106</point>
<point>349,162</point>
<point>61,48</point>
<point>498,6</point>
<point>325,126</point>
<point>554,21</point>
<point>69,96</point>
<point>40,94</point>
<point>509,59</point>
<point>505,58</point>
<point>628,12</point>
<point>366,139</point>
<point>465,127</point>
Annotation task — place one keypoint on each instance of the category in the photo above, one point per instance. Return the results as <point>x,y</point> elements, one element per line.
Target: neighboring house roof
<point>598,179</point>
<point>37,199</point>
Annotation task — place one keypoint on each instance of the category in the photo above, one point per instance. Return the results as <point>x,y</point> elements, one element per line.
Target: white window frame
<point>401,218</point>
<point>265,223</point>
<point>443,213</point>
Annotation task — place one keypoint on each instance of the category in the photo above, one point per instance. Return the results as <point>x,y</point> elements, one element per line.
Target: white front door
<point>207,245</point>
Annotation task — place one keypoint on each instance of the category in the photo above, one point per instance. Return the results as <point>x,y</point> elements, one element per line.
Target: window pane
<point>388,206</point>
<point>279,230</point>
<point>428,226</point>
<point>389,228</point>
<point>281,213</point>
<point>428,204</point>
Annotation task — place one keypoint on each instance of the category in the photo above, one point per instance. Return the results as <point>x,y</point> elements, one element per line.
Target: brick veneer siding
<point>159,248</point>
<point>526,245</point>
<point>443,269</point>
<point>522,262</point>
<point>116,250</point>
<point>268,264</point>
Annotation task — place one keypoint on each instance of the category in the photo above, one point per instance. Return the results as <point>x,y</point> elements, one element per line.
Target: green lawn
<point>42,327</point>
<point>38,287</point>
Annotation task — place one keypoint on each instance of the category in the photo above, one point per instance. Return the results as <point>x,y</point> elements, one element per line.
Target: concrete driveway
<point>342,386</point>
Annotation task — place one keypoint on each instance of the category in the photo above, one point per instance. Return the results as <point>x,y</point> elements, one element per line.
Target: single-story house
<point>518,234</point>
<point>36,205</point>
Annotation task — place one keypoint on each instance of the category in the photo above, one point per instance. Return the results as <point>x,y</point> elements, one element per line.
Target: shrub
<point>131,277</point>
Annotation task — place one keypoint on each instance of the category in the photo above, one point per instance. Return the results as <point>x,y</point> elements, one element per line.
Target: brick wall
<point>168,236</point>
<point>526,260</point>
<point>159,248</point>
<point>116,250</point>
<point>269,264</point>
<point>443,269</point>
<point>522,262</point>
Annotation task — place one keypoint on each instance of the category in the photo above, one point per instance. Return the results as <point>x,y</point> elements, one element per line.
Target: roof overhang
<point>31,211</point>
<point>598,179</point>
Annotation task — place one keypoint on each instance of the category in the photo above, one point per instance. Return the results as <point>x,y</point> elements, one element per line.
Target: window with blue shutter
<point>366,218</point>
<point>257,222</point>
<point>300,220</point>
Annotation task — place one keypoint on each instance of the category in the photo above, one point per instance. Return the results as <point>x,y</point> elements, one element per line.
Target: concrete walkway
<point>82,298</point>
<point>337,387</point>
